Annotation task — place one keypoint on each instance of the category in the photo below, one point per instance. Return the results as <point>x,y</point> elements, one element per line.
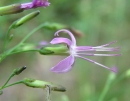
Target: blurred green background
<point>101,21</point>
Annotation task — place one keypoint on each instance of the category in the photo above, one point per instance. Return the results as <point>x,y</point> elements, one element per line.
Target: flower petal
<point>64,65</point>
<point>73,43</point>
<point>61,40</point>
<point>35,4</point>
<point>28,5</point>
<point>34,1</point>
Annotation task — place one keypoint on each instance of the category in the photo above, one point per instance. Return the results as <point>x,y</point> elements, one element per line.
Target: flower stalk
<point>15,72</point>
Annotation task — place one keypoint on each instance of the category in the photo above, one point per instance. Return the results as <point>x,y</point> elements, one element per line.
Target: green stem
<point>104,92</point>
<point>7,80</point>
<point>23,51</point>
<point>4,56</point>
<point>21,81</point>
<point>6,37</point>
<point>28,35</point>
<point>120,78</point>
<point>108,84</point>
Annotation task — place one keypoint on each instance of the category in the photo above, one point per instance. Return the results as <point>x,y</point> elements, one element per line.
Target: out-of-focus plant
<point>58,46</point>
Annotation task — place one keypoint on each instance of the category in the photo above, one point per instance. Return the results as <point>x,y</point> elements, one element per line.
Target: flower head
<point>35,4</point>
<point>80,52</point>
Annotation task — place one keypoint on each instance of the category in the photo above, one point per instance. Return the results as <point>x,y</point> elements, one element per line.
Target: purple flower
<point>35,4</point>
<point>80,52</point>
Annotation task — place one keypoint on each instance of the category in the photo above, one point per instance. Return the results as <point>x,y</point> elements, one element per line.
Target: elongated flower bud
<point>57,88</point>
<point>25,19</point>
<point>42,84</point>
<point>54,26</point>
<point>19,70</point>
<point>11,9</point>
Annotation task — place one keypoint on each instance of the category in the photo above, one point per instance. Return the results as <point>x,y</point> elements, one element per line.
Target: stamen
<point>89,48</point>
<point>91,54</point>
<point>95,62</point>
<point>107,49</point>
<point>107,44</point>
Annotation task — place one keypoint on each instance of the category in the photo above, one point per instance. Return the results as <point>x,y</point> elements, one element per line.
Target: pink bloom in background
<point>42,43</point>
<point>35,4</point>
<point>80,52</point>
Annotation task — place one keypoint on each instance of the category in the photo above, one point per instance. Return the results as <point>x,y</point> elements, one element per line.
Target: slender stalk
<point>21,81</point>
<point>3,57</point>
<point>6,37</point>
<point>110,79</point>
<point>120,78</point>
<point>23,51</point>
<point>15,47</point>
<point>27,36</point>
<point>7,80</point>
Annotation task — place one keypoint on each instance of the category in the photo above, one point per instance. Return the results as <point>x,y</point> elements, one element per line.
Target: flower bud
<point>34,83</point>
<point>25,19</point>
<point>11,9</point>
<point>54,26</point>
<point>58,26</point>
<point>58,88</point>
<point>42,84</point>
<point>19,70</point>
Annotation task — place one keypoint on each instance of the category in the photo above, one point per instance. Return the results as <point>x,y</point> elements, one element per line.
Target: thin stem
<point>23,51</point>
<point>6,37</point>
<point>21,81</point>
<point>27,36</point>
<point>4,56</point>
<point>119,79</point>
<point>108,84</point>
<point>7,80</point>
<point>9,51</point>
